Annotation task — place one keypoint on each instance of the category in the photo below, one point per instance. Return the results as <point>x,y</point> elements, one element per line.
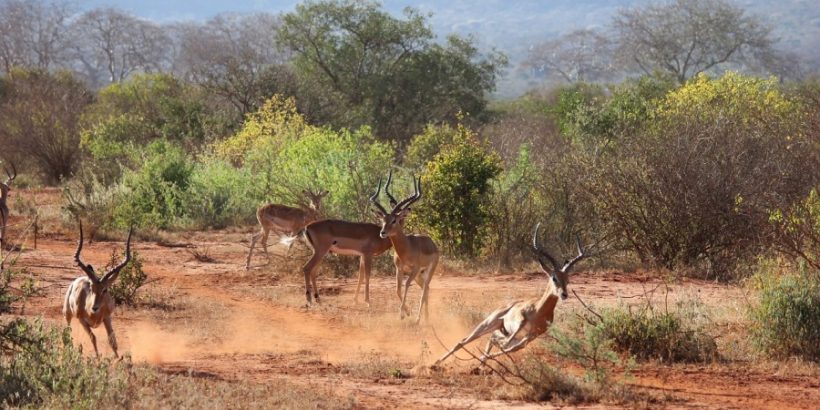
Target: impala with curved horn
<point>416,256</point>
<point>88,299</point>
<point>5,187</point>
<point>519,323</point>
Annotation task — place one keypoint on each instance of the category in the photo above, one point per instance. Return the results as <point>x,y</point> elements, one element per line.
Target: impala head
<point>393,221</point>
<point>315,199</point>
<point>558,273</point>
<point>99,286</point>
<point>4,187</point>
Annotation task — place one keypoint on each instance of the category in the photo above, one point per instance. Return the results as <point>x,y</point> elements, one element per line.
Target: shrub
<point>130,280</point>
<point>220,195</point>
<point>87,197</point>
<point>456,185</point>
<point>798,230</point>
<point>786,318</point>
<point>425,146</point>
<point>666,336</point>
<point>46,370</point>
<point>697,183</point>
<point>158,188</point>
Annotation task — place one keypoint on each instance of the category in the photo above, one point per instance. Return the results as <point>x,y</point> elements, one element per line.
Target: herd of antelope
<point>415,257</point>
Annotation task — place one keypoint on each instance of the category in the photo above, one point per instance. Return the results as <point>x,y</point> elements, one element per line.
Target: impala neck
<point>400,242</point>
<point>546,304</point>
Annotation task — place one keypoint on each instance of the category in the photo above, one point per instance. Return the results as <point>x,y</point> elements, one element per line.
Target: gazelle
<point>5,187</point>
<point>416,255</point>
<point>283,219</point>
<point>519,323</point>
<point>88,299</point>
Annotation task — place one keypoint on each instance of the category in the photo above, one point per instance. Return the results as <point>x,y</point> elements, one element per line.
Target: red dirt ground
<point>216,320</point>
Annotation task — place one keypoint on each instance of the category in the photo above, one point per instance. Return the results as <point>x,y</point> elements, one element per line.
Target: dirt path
<point>216,320</point>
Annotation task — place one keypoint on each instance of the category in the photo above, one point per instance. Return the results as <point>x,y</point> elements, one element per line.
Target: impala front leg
<point>407,284</point>
<point>402,309</point>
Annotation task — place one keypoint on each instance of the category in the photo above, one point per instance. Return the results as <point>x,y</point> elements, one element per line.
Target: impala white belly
<point>345,251</point>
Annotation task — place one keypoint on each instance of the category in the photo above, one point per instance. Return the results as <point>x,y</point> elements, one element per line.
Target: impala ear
<point>379,214</point>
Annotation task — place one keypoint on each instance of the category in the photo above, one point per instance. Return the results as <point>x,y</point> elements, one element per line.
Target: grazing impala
<point>519,323</point>
<point>282,219</point>
<point>88,299</point>
<point>416,256</point>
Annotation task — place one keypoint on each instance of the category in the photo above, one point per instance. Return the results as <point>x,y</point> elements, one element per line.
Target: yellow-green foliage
<point>458,191</point>
<point>738,99</point>
<point>274,124</point>
<point>425,146</point>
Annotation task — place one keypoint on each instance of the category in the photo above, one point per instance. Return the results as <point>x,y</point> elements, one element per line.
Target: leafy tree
<point>39,121</point>
<point>456,185</point>
<point>385,71</point>
<point>144,108</point>
<point>688,37</point>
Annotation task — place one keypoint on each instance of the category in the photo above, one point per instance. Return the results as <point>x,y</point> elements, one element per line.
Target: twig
<point>587,307</point>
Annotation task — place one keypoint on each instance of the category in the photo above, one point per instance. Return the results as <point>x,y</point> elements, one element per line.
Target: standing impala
<point>360,239</point>
<point>416,255</point>
<point>88,299</point>
<point>519,323</point>
<point>5,187</point>
<point>282,219</point>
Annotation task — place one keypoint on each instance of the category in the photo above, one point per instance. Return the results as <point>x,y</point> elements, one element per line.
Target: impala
<point>360,239</point>
<point>285,220</point>
<point>88,299</point>
<point>416,256</point>
<point>5,187</point>
<point>519,323</point>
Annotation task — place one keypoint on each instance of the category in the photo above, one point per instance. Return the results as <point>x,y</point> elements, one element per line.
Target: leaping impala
<point>88,299</point>
<point>519,323</point>
<point>416,255</point>
<point>283,219</point>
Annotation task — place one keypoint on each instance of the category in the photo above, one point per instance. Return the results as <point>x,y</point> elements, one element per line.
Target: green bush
<point>457,190</point>
<point>130,280</point>
<point>158,188</point>
<point>45,369</point>
<point>798,230</point>
<point>425,146</point>
<point>87,197</point>
<point>786,317</point>
<point>666,336</point>
<point>220,195</point>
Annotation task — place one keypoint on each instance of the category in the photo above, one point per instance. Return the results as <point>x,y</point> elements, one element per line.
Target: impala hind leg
<point>488,325</point>
<point>309,271</point>
<point>263,233</point>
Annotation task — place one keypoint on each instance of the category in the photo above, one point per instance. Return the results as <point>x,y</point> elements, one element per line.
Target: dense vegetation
<point>711,174</point>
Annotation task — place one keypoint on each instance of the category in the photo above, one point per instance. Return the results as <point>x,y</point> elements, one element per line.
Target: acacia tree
<point>582,55</point>
<point>688,37</point>
<point>385,71</point>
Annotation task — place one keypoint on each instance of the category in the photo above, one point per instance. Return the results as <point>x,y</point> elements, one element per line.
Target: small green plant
<point>131,279</point>
<point>590,347</point>
<point>646,333</point>
<point>786,318</point>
